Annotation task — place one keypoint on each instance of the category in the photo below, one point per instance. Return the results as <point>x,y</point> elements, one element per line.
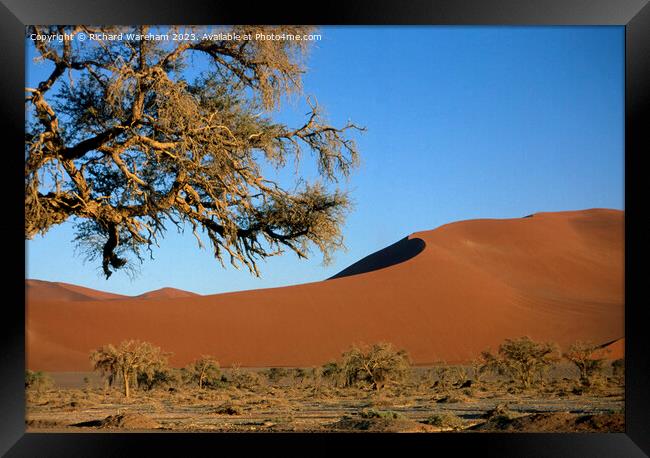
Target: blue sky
<point>462,123</point>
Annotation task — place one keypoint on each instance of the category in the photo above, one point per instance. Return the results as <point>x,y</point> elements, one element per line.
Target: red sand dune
<point>37,290</point>
<point>166,293</point>
<point>612,350</point>
<point>444,294</point>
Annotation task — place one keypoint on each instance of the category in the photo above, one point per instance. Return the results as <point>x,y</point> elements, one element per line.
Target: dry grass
<point>252,402</point>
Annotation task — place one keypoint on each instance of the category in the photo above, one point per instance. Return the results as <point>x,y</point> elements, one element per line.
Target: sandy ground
<point>306,406</point>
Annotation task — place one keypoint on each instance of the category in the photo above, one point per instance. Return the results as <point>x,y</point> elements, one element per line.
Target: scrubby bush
<point>331,371</point>
<point>583,356</point>
<point>488,363</point>
<point>241,378</point>
<point>159,378</point>
<point>443,376</point>
<point>203,372</point>
<point>299,374</point>
<point>374,366</point>
<point>448,377</point>
<point>477,369</point>
<point>523,359</point>
<point>275,374</point>
<point>229,409</point>
<point>444,420</point>
<point>37,381</point>
<point>382,414</point>
<point>499,417</point>
<point>618,368</point>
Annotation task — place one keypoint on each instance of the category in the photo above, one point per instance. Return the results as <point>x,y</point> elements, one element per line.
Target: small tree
<point>522,359</point>
<point>131,359</point>
<point>443,376</point>
<point>376,365</point>
<point>164,377</point>
<point>477,369</point>
<point>203,371</point>
<point>275,374</point>
<point>489,363</point>
<point>332,372</point>
<point>242,378</point>
<point>583,355</point>
<point>37,380</point>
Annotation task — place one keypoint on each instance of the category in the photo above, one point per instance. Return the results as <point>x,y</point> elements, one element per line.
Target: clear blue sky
<point>462,123</point>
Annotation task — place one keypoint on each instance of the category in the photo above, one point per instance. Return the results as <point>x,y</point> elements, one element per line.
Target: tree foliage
<point>375,365</point>
<point>37,380</point>
<point>584,356</point>
<point>523,359</point>
<point>203,372</point>
<point>130,361</point>
<point>124,136</point>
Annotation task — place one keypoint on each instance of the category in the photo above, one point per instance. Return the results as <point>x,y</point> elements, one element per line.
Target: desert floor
<point>429,402</point>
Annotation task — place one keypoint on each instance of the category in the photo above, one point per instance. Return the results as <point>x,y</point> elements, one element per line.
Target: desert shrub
<point>443,377</point>
<point>275,374</point>
<point>159,378</point>
<point>618,368</point>
<point>499,416</point>
<point>316,375</point>
<point>477,372</point>
<point>37,381</point>
<point>229,409</point>
<point>299,374</point>
<point>203,372</point>
<point>582,355</point>
<point>448,377</point>
<point>444,420</point>
<point>452,398</point>
<point>374,366</point>
<point>241,378</point>
<point>523,360</point>
<point>331,371</point>
<point>489,363</point>
<point>382,414</point>
<point>422,379</point>
<point>459,376</point>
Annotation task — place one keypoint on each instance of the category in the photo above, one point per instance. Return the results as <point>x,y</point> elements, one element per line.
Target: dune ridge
<point>41,290</point>
<point>166,293</point>
<point>552,276</point>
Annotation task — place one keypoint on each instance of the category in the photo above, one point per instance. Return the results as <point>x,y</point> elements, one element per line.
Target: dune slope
<point>460,289</point>
<point>38,290</point>
<point>166,293</point>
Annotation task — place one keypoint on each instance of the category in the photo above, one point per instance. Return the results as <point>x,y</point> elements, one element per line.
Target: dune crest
<point>163,293</point>
<point>39,290</point>
<point>552,276</point>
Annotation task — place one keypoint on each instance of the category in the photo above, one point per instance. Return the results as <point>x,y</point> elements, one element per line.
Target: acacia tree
<point>204,370</point>
<point>130,359</point>
<point>584,355</point>
<point>523,359</point>
<point>125,136</point>
<point>375,365</point>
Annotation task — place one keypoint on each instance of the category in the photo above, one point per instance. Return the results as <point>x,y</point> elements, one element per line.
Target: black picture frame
<point>633,14</point>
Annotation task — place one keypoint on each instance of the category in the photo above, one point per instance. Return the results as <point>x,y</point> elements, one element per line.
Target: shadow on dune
<point>396,253</point>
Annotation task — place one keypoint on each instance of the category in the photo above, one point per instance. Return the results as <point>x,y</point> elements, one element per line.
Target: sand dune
<point>444,294</point>
<point>612,350</point>
<point>38,290</point>
<point>164,293</point>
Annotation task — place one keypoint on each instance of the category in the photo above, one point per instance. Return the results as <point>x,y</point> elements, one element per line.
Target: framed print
<point>411,227</point>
